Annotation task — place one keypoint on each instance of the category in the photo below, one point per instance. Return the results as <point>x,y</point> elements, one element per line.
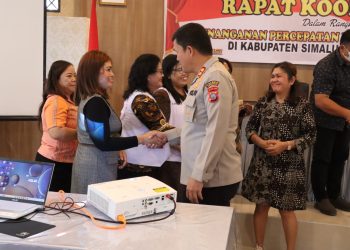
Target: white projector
<point>134,197</point>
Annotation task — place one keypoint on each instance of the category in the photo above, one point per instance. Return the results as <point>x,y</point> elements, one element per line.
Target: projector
<point>133,198</point>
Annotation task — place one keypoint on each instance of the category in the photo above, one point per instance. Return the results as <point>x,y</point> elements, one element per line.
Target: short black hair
<point>194,35</point>
<point>345,37</point>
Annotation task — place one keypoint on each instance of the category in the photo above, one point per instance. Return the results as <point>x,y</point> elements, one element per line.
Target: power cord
<point>170,214</point>
<point>22,219</point>
<point>66,207</point>
<point>69,206</point>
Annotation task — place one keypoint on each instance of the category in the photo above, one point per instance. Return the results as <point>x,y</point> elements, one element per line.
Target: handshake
<point>153,139</point>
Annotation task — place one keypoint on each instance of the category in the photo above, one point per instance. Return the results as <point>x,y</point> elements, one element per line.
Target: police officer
<point>210,166</point>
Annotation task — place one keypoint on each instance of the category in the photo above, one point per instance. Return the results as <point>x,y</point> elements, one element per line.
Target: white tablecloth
<point>191,227</point>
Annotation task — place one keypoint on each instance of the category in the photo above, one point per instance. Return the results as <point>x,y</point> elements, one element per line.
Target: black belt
<point>138,168</point>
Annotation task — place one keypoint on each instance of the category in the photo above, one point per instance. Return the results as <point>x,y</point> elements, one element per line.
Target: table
<point>191,227</point>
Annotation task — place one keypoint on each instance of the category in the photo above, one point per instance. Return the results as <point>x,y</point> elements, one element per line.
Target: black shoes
<point>341,204</point>
<point>326,207</point>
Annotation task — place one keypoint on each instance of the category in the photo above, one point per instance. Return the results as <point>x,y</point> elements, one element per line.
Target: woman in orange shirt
<point>59,122</point>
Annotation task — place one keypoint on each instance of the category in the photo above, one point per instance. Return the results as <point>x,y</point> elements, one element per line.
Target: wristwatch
<point>289,146</point>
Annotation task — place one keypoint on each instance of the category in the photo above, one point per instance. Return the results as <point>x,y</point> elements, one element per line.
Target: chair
<point>302,89</point>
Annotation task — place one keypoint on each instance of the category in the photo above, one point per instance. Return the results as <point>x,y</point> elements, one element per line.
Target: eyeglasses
<point>180,69</point>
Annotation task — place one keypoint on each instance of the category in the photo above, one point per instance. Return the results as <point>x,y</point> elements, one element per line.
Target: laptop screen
<point>25,181</point>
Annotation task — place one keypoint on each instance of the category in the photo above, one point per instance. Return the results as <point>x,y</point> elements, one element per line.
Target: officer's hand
<point>153,139</point>
<point>194,190</point>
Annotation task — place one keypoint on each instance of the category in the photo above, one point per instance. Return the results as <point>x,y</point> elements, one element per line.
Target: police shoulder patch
<point>213,93</point>
<point>212,83</point>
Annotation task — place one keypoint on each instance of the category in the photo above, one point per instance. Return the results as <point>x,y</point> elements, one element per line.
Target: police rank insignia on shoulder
<point>201,71</point>
<point>213,93</point>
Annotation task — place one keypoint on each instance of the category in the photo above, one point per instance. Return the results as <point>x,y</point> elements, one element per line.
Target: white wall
<point>21,56</point>
<point>67,39</point>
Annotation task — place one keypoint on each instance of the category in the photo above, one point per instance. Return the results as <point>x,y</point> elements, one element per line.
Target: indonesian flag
<point>93,34</point>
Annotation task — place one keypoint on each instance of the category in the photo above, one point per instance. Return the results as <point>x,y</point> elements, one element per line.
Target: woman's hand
<point>275,147</point>
<point>153,139</point>
<point>265,144</point>
<point>123,159</point>
<point>260,142</point>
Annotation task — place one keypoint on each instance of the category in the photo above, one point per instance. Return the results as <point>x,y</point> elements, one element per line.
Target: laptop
<point>24,187</point>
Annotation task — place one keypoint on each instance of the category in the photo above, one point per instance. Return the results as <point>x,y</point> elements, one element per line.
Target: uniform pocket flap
<point>190,101</point>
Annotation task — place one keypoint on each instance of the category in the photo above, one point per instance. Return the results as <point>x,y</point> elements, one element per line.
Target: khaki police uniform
<point>208,134</point>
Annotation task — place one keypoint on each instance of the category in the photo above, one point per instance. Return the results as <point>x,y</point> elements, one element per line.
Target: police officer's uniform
<point>208,134</point>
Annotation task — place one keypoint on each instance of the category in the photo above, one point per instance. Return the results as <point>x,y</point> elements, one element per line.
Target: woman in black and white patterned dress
<point>281,127</point>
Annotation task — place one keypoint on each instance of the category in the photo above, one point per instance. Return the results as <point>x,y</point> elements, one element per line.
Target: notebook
<point>23,187</point>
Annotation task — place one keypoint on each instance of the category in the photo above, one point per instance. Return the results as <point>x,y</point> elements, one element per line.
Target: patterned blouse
<point>279,180</point>
<point>148,112</point>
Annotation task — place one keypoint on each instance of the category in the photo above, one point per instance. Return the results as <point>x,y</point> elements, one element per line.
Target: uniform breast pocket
<point>190,108</point>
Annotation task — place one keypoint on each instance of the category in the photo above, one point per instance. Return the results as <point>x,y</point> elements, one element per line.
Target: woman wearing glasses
<point>170,98</point>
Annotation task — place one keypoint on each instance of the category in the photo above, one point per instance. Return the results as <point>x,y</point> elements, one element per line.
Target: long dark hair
<point>88,73</point>
<point>168,65</point>
<point>291,71</point>
<point>144,65</point>
<point>51,86</point>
